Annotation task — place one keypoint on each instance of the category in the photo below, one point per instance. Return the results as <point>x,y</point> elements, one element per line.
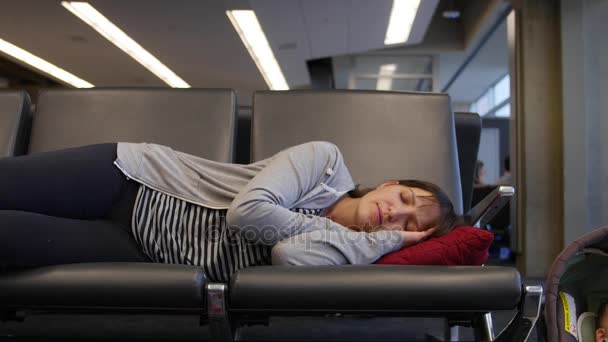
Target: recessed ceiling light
<point>111,32</point>
<point>401,20</point>
<point>42,65</point>
<point>451,14</point>
<point>450,11</point>
<point>246,24</point>
<point>385,77</point>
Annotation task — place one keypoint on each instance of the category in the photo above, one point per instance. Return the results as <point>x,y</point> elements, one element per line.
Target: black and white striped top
<point>174,231</point>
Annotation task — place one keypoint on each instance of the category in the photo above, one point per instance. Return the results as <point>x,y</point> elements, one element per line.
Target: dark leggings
<point>66,206</point>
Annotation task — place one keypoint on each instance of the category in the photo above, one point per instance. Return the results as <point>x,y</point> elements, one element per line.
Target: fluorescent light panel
<point>385,77</point>
<point>246,24</point>
<point>111,32</point>
<point>42,65</point>
<point>400,23</point>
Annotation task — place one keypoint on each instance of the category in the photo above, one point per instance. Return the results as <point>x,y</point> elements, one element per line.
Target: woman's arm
<point>260,211</point>
<point>335,247</point>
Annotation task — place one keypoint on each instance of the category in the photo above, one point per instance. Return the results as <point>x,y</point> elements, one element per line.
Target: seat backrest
<point>468,132</point>
<point>15,116</point>
<point>382,135</point>
<point>200,122</point>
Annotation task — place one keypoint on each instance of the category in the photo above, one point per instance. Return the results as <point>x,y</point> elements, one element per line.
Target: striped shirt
<point>174,231</point>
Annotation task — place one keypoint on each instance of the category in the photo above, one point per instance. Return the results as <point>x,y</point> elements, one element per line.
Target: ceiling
<point>478,39</point>
<point>489,65</point>
<point>195,39</point>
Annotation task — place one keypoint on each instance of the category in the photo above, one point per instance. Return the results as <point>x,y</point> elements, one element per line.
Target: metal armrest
<point>485,210</point>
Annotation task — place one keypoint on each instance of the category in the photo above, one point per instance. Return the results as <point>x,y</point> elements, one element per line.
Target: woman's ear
<point>600,334</point>
<point>392,182</point>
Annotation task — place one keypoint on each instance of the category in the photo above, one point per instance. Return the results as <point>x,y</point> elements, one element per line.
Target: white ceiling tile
<point>327,26</point>
<point>367,22</point>
<point>283,24</point>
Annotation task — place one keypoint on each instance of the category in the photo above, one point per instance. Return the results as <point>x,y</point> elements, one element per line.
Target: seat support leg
<point>451,332</point>
<point>488,326</point>
<point>521,326</point>
<point>483,328</point>
<point>220,328</point>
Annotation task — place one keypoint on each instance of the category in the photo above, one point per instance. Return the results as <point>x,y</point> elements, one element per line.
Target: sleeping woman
<point>149,203</point>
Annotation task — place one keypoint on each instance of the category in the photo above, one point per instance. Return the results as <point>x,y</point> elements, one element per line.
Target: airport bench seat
<point>461,292</point>
<point>254,294</point>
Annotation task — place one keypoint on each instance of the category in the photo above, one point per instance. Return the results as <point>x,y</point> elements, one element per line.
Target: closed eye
<point>408,197</point>
<point>412,197</point>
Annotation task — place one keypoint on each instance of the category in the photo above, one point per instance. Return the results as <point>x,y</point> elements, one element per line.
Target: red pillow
<point>462,246</point>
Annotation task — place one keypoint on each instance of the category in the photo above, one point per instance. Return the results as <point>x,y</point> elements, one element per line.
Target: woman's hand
<point>412,238</point>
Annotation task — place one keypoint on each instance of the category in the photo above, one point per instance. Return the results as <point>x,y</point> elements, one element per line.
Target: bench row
<point>382,135</point>
<point>206,123</point>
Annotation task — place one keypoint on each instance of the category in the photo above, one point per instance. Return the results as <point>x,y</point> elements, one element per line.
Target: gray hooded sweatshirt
<point>259,197</point>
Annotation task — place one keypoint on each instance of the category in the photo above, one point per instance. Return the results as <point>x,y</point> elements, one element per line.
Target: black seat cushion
<point>377,288</point>
<point>105,285</point>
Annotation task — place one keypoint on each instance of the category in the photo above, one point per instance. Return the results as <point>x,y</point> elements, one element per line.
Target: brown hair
<point>448,219</point>
<point>601,311</point>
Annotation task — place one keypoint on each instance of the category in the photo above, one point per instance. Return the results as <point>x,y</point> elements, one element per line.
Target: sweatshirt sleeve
<point>260,211</point>
<point>335,247</point>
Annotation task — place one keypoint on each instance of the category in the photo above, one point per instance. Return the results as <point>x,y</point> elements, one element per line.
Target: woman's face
<point>392,206</point>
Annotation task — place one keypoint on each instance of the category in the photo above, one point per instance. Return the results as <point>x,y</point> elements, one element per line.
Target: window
<point>397,73</point>
<point>504,111</point>
<point>484,104</point>
<point>501,90</point>
<point>495,100</point>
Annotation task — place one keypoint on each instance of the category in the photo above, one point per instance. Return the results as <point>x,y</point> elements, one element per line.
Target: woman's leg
<point>30,240</point>
<point>80,183</point>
